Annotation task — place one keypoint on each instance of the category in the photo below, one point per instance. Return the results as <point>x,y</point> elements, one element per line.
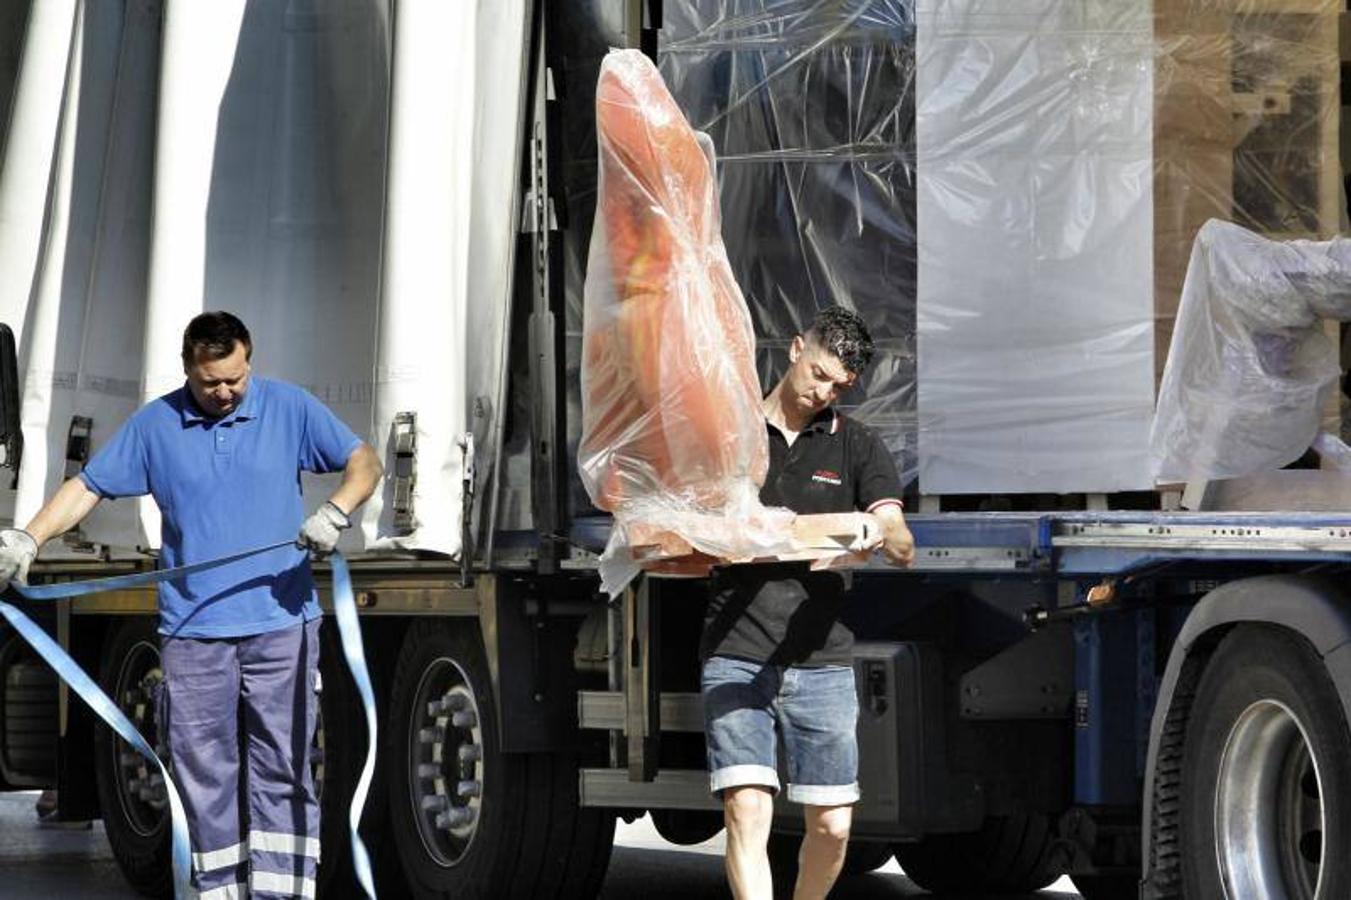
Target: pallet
<point>1211,138</point>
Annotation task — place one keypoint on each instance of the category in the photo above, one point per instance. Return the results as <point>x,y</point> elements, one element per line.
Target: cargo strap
<point>344,606</point>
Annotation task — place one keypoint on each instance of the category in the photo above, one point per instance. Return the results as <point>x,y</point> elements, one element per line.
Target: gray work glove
<point>17,552</point>
<point>321,531</point>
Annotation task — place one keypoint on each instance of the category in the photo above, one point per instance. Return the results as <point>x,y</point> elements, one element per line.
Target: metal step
<point>605,710</point>
<point>672,789</point>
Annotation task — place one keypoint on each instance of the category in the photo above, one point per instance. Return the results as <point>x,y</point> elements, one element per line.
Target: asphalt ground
<point>54,864</point>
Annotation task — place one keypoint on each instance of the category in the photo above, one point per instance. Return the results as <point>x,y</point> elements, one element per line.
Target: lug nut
<point>458,817</point>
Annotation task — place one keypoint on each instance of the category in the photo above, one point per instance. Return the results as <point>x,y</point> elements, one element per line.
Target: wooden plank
<point>658,548</point>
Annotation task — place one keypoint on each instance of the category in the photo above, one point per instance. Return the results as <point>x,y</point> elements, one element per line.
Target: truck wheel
<point>134,801</point>
<point>1266,783</point>
<point>1009,855</point>
<point>468,820</point>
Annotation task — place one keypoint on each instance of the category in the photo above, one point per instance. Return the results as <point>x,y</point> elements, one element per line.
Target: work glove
<point>17,552</point>
<point>321,531</point>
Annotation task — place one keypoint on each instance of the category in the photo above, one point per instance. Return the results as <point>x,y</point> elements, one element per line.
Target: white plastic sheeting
<point>1250,370</point>
<point>1034,125</point>
<point>260,130</point>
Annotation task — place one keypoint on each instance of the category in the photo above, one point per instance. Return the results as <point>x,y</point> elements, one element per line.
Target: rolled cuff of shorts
<point>743,776</point>
<point>824,794</point>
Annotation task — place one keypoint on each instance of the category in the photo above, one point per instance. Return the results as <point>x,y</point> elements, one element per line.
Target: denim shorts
<point>816,712</point>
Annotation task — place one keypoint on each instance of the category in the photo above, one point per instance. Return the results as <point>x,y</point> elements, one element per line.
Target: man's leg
<point>739,732</point>
<point>198,705</point>
<point>823,850</point>
<point>819,714</point>
<point>748,813</point>
<point>279,671</point>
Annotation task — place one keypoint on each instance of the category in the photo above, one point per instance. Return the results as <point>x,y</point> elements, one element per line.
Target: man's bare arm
<point>66,509</point>
<point>359,478</point>
<point>898,544</point>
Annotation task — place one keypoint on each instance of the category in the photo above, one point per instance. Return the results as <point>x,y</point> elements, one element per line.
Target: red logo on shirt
<point>825,476</point>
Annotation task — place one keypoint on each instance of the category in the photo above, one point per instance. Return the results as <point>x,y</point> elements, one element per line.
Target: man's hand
<point>898,544</point>
<point>18,549</point>
<point>321,531</point>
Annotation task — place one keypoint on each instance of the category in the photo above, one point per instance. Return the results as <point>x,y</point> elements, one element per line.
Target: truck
<point>1078,676</point>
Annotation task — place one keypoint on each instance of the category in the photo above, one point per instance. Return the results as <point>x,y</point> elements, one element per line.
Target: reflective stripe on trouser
<point>266,682</point>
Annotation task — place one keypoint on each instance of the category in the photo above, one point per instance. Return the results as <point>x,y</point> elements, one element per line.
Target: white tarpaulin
<point>1034,123</point>
<point>233,155</point>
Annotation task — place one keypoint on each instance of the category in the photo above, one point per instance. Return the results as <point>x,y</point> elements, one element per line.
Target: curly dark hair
<point>215,334</point>
<point>843,333</point>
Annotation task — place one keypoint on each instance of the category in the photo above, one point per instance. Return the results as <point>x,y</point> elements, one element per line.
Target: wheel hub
<point>445,769</point>
<point>140,787</point>
<point>1269,831</point>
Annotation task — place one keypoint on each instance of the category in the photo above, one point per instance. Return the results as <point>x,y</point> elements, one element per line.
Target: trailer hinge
<point>405,470</point>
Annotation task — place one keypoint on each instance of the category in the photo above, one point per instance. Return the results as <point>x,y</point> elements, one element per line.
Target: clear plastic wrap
<point>811,109</point>
<point>672,423</point>
<point>1251,369</point>
<point>1072,152</point>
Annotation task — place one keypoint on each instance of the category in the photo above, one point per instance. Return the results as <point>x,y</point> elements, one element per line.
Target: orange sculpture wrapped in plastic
<point>672,422</point>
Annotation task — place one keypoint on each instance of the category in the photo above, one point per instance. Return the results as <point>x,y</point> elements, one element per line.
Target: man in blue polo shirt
<point>222,457</point>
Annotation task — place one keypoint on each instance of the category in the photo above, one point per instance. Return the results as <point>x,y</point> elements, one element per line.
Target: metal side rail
<point>1112,543</point>
<point>945,543</point>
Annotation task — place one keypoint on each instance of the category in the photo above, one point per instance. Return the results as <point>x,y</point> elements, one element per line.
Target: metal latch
<point>467,481</point>
<point>77,444</point>
<point>405,470</point>
<point>77,454</point>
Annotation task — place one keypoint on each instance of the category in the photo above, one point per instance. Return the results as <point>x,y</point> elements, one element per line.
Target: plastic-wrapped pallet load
<point>1064,156</point>
<point>672,420</point>
<point>1250,369</point>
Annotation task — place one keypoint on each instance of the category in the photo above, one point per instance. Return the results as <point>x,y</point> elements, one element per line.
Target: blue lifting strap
<point>344,606</point>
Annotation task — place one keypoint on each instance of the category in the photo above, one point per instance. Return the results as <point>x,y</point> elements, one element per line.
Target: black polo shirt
<point>785,613</point>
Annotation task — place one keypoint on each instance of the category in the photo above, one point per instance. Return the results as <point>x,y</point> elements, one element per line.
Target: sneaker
<point>50,822</point>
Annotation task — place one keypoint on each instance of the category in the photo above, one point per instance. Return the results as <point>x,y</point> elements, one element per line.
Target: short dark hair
<point>214,334</point>
<point>843,333</point>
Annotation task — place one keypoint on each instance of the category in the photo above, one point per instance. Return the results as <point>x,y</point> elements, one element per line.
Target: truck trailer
<point>1084,673</point>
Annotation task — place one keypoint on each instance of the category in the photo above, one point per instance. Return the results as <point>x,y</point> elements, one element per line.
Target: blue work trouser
<point>266,683</point>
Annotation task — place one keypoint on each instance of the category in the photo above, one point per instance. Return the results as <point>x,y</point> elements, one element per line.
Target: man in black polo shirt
<point>773,647</point>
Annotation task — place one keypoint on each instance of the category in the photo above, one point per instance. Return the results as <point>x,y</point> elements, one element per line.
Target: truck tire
<point>468,820</point>
<point>135,811</point>
<point>1266,780</point>
<point>1008,855</point>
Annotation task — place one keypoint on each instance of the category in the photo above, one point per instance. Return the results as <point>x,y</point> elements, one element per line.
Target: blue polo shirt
<point>222,486</point>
